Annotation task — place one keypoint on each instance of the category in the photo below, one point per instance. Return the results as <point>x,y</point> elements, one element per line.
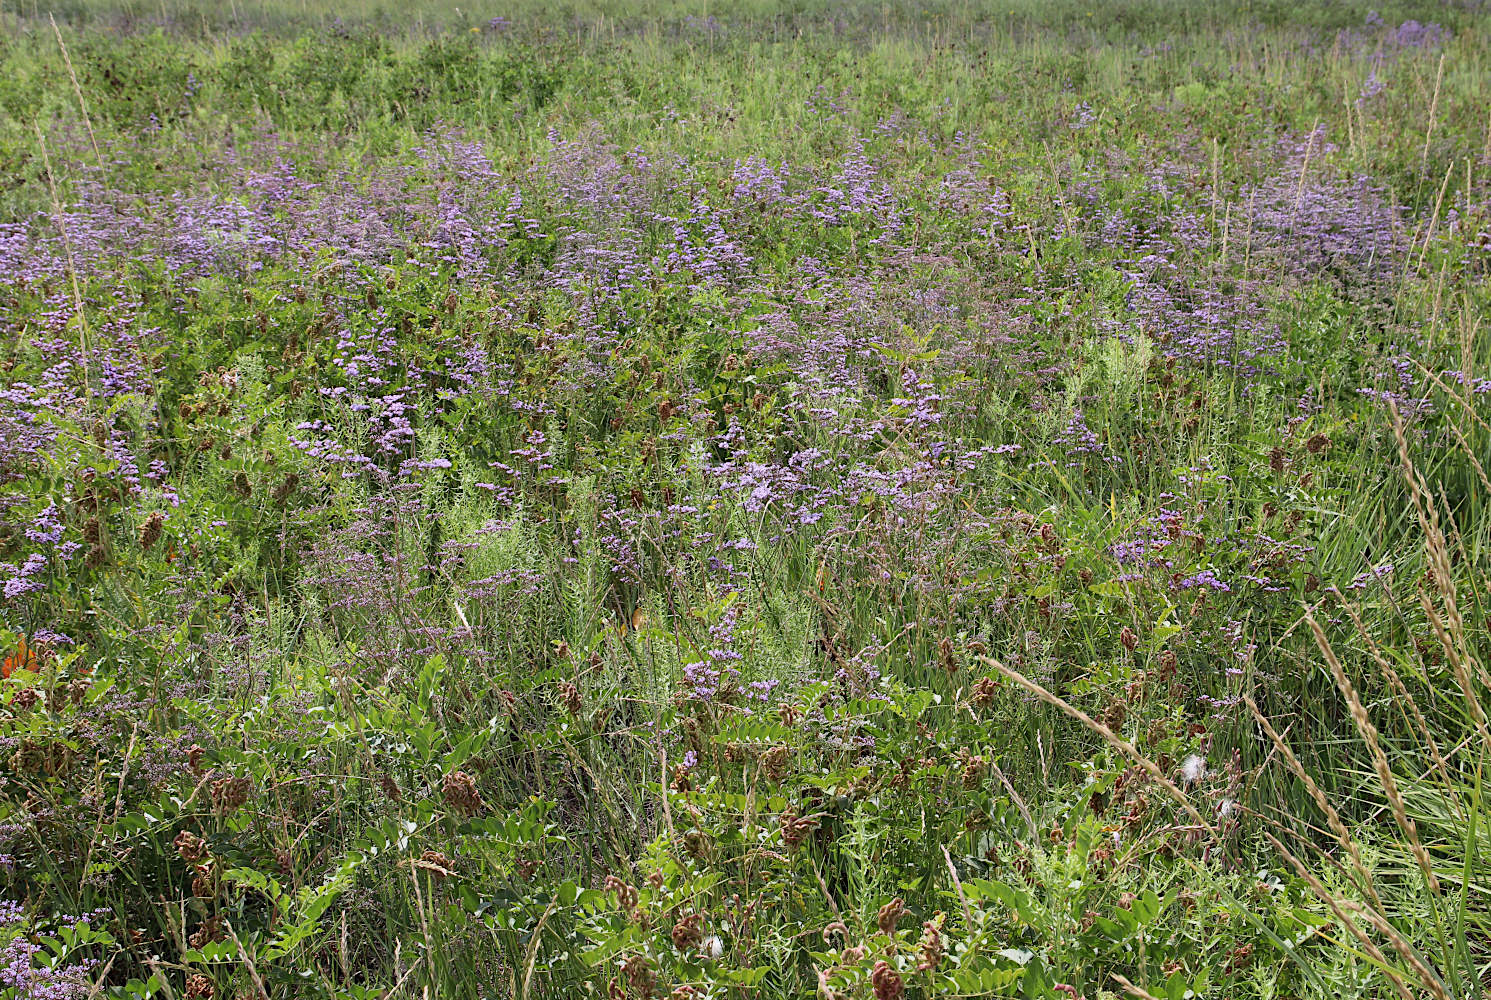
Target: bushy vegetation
<point>785,501</point>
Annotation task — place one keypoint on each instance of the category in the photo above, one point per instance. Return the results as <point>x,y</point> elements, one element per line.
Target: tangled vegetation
<point>833,501</point>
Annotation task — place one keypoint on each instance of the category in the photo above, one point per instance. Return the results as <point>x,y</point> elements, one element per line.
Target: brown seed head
<point>627,896</point>
<point>228,794</point>
<point>436,864</point>
<point>191,847</point>
<point>929,951</point>
<point>640,977</point>
<point>688,932</point>
<point>795,829</point>
<point>886,982</point>
<point>973,772</point>
<point>774,762</point>
<point>945,656</point>
<point>569,696</point>
<point>203,883</point>
<point>150,531</point>
<point>459,791</point>
<point>890,915</point>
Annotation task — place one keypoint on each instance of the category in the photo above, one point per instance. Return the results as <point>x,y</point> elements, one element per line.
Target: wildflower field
<point>783,499</point>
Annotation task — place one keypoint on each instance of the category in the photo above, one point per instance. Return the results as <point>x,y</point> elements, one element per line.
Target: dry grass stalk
<point>1332,817</point>
<point>1112,738</point>
<point>1344,911</point>
<point>1368,733</point>
<point>77,90</point>
<point>1457,668</point>
<point>1433,111</point>
<point>1131,989</point>
<point>1450,631</point>
<point>72,270</point>
<point>1396,683</point>
<point>1434,218</point>
<point>1435,546</point>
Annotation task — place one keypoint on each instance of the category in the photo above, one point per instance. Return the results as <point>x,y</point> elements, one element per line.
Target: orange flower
<point>24,658</point>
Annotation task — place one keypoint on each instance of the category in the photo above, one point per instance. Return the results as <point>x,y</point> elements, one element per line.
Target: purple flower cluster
<point>33,971</point>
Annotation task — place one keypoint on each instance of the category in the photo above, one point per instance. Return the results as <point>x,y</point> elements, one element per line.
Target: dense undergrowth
<point>824,503</point>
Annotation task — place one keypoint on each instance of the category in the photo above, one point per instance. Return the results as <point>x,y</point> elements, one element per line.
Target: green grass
<point>551,711</point>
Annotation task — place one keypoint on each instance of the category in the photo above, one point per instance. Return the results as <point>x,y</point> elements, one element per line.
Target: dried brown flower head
<point>569,696</point>
<point>204,882</point>
<point>459,791</point>
<point>640,977</point>
<point>774,762</point>
<point>150,530</point>
<point>228,794</point>
<point>209,931</point>
<point>795,828</point>
<point>973,772</point>
<point>886,982</point>
<point>929,950</point>
<point>390,787</point>
<point>286,487</point>
<point>627,896</point>
<point>190,847</point>
<point>890,915</point>
<point>688,932</point>
<point>945,656</point>
<point>983,691</point>
<point>436,864</point>
<point>199,987</point>
<point>698,843</point>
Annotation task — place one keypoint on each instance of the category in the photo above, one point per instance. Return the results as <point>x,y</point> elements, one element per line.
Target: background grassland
<point>784,500</point>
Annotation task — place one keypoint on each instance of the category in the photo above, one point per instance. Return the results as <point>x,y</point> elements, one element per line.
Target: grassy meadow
<point>768,500</point>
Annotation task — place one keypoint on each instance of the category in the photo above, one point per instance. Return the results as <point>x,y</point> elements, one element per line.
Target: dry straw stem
<point>1457,667</point>
<point>958,884</point>
<point>1470,453</point>
<point>1131,989</point>
<point>533,944</point>
<point>248,961</point>
<point>102,978</point>
<point>1368,733</point>
<point>1332,818</point>
<point>1433,112</point>
<point>1113,739</point>
<point>1344,910</point>
<point>1401,689</point>
<point>1435,546</point>
<point>1304,169</point>
<point>1451,630</point>
<point>72,270</point>
<point>1434,217</point>
<point>73,76</point>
